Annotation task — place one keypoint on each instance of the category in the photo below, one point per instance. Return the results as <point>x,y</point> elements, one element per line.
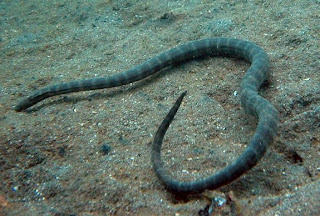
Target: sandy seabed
<point>88,153</point>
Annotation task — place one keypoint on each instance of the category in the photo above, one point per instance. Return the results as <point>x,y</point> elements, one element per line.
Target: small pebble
<point>105,149</point>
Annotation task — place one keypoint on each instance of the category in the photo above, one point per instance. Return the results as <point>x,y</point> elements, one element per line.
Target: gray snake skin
<point>250,101</point>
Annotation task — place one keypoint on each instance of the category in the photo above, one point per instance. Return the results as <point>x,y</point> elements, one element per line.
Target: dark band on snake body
<point>265,132</point>
<point>194,49</point>
<point>250,100</point>
<point>253,104</point>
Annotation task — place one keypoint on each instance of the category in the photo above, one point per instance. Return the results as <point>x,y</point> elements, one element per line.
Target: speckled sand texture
<point>89,153</point>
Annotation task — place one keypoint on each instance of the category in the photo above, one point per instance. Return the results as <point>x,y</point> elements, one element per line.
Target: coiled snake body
<point>250,100</point>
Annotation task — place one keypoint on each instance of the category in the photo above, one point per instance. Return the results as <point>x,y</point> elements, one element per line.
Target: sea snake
<point>250,100</point>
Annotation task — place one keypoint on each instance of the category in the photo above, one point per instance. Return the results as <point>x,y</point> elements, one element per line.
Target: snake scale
<point>252,103</point>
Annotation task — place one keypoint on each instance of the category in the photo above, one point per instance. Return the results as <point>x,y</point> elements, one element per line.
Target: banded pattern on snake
<point>250,100</point>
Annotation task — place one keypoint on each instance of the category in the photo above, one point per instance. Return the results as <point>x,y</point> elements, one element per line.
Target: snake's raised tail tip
<point>183,94</point>
<point>180,98</point>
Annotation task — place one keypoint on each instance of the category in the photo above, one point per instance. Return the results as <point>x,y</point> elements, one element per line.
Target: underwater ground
<point>89,153</point>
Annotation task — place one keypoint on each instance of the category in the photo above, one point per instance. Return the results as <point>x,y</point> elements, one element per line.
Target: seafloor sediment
<point>88,153</point>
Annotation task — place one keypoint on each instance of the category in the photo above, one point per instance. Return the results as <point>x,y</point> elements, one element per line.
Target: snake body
<point>250,100</point>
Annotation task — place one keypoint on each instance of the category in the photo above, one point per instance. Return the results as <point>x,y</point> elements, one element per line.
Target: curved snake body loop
<point>250,100</point>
